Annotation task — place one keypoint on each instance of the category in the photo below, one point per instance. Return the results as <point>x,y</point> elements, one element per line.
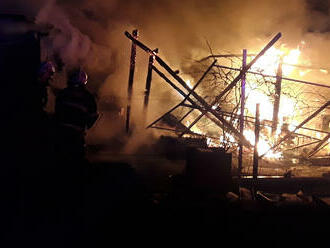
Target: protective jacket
<point>76,108</point>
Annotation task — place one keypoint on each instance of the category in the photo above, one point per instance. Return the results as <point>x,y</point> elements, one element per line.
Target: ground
<point>144,199</point>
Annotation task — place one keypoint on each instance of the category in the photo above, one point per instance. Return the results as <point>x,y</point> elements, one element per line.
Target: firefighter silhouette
<point>75,112</point>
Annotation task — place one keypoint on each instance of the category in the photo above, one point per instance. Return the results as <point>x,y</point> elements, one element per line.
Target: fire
<point>268,63</point>
<point>254,96</point>
<point>263,145</point>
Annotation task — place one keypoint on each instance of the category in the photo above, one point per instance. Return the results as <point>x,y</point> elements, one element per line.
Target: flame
<point>254,97</point>
<point>188,82</point>
<point>287,105</point>
<point>268,63</point>
<point>263,145</point>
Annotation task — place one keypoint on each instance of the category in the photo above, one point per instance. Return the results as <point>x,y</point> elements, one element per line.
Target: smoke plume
<point>91,34</point>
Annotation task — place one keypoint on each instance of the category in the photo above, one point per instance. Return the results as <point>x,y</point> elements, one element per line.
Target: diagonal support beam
<point>298,127</point>
<point>200,100</point>
<point>218,120</point>
<point>241,74</point>
<point>318,146</point>
<point>181,92</point>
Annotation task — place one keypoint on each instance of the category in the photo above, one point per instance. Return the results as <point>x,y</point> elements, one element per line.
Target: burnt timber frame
<point>199,103</point>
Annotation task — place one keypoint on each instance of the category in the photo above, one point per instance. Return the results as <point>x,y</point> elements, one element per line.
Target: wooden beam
<point>318,146</point>
<point>204,105</point>
<point>241,119</point>
<point>242,72</point>
<point>255,153</point>
<point>131,80</point>
<point>277,97</point>
<point>248,66</point>
<point>297,147</point>
<point>148,81</point>
<point>207,107</point>
<point>297,127</point>
<point>272,76</point>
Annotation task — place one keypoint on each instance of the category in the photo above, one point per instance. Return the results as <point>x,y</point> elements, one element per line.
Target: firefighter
<point>45,75</point>
<point>75,112</point>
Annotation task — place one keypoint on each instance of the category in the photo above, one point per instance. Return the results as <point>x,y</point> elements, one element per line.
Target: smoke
<point>91,34</point>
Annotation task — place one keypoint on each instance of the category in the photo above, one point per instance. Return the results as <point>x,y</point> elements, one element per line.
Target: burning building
<point>291,121</point>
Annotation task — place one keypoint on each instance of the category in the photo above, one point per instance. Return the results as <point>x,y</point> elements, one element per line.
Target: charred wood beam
<point>255,153</point>
<point>195,86</point>
<point>182,93</point>
<point>277,97</point>
<point>297,147</point>
<point>315,130</point>
<point>148,80</point>
<point>154,122</point>
<point>204,105</point>
<point>138,43</point>
<point>318,146</point>
<point>186,97</point>
<point>247,67</point>
<point>188,113</point>
<point>272,76</point>
<point>297,127</point>
<point>183,83</point>
<point>216,121</point>
<point>319,149</point>
<point>201,101</point>
<point>191,106</point>
<point>225,56</point>
<point>131,80</point>
<point>229,114</point>
<point>241,118</point>
<point>242,72</point>
<point>207,107</point>
<point>202,78</point>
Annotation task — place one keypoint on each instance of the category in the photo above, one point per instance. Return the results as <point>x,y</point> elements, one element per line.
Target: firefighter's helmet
<point>77,78</point>
<point>46,70</point>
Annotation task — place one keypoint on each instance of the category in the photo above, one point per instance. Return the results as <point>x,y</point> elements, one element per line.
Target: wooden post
<point>205,106</point>
<point>239,77</point>
<point>130,81</point>
<point>241,120</point>
<point>297,127</point>
<point>255,153</point>
<point>148,81</point>
<point>277,96</point>
<point>247,67</point>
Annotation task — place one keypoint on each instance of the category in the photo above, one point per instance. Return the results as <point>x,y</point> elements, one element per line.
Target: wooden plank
<point>255,153</point>
<point>131,80</point>
<point>148,81</point>
<point>241,119</point>
<point>242,72</point>
<point>318,146</point>
<point>272,76</point>
<point>297,127</point>
<point>277,97</point>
